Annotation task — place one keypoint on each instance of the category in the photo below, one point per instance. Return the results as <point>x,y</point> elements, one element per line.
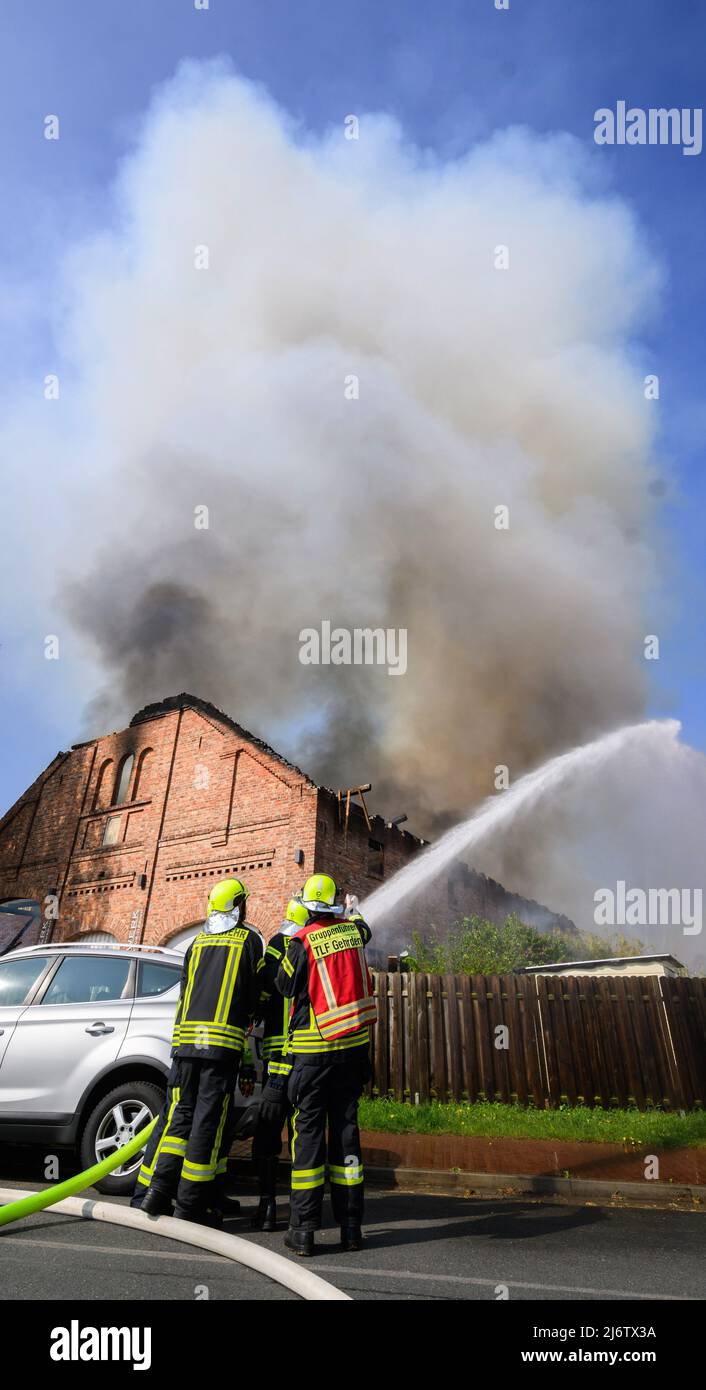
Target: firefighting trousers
<point>146,1172</point>
<point>267,1139</point>
<point>267,1145</point>
<point>193,1134</point>
<point>326,1139</point>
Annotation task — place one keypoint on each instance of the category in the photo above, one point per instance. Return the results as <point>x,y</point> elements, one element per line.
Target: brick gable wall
<point>204,802</point>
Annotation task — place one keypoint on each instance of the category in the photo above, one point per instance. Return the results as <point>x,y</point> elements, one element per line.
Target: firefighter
<point>275,1012</point>
<point>221,1199</point>
<point>217,999</point>
<point>325,972</point>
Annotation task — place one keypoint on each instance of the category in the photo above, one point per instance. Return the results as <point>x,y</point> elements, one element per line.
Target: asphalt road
<point>419,1247</point>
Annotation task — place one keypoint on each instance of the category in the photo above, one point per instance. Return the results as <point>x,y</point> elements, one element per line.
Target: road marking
<point>112,1250</point>
<point>347,1268</point>
<point>391,1274</point>
<point>492,1283</point>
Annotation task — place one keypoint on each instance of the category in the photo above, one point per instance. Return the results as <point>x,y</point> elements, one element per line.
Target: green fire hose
<point>38,1200</point>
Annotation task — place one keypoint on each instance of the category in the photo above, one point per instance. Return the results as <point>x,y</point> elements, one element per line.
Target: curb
<point>588,1160</point>
<point>451,1182</point>
<point>456,1184</point>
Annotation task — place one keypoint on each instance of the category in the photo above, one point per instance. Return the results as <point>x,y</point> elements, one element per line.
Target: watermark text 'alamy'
<point>648,907</point>
<point>656,125</point>
<point>358,646</point>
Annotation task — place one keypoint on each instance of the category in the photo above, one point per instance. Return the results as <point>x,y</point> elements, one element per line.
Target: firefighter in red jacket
<point>275,1012</point>
<point>325,972</point>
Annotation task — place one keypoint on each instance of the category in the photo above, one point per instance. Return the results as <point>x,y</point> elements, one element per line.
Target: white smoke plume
<point>478,387</point>
<point>612,829</point>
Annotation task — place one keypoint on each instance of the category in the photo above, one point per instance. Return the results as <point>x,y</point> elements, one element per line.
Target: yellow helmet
<point>319,894</point>
<point>297,912</point>
<point>224,895</point>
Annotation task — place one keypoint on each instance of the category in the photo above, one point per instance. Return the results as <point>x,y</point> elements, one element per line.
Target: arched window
<point>103,784</point>
<point>123,780</point>
<point>142,776</point>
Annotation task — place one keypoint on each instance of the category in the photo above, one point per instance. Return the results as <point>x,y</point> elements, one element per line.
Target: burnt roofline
<point>203,706</point>
<point>186,701</point>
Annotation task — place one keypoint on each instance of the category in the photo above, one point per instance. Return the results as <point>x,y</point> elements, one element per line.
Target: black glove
<point>273,1102</point>
<point>275,1090</point>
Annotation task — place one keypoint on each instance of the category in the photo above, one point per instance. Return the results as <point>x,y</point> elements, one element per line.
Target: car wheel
<point>117,1117</point>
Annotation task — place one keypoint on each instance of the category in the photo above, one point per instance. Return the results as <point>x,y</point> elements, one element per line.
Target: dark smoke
<point>477,388</point>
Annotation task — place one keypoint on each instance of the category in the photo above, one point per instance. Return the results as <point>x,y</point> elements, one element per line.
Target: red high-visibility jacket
<point>326,972</point>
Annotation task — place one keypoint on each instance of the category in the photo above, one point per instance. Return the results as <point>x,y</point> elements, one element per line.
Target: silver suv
<point>85,1035</point>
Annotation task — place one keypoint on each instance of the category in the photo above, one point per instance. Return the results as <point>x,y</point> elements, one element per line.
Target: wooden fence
<point>540,1039</point>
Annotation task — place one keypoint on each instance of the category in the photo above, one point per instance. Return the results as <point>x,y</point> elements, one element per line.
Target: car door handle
<point>99,1029</point>
<point>2,1030</point>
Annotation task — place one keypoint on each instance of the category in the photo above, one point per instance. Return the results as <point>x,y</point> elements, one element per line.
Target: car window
<point>156,979</point>
<point>88,980</point>
<point>18,976</point>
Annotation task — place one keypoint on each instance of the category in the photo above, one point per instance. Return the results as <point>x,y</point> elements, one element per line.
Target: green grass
<point>490,1119</point>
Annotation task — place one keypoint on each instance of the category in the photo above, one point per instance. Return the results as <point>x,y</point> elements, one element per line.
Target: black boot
<point>351,1238</point>
<point>222,1196</point>
<point>155,1203</point>
<point>301,1242</point>
<point>227,1204</point>
<point>265,1218</point>
<point>211,1217</point>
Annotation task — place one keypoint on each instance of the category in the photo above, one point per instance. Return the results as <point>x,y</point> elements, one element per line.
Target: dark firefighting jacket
<point>218,996</point>
<point>310,1033</point>
<point>274,1010</point>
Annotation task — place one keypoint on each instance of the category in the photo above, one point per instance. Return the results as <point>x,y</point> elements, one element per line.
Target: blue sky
<point>452,73</point>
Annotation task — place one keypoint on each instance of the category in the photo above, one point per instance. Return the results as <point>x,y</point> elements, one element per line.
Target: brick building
<point>130,831</point>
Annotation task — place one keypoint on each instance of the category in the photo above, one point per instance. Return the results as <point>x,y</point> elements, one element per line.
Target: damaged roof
<point>186,701</point>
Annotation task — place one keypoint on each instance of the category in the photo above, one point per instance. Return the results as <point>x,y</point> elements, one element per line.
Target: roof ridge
<point>187,701</point>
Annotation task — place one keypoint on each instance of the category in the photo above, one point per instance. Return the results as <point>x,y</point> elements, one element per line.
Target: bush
<point>475,946</point>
